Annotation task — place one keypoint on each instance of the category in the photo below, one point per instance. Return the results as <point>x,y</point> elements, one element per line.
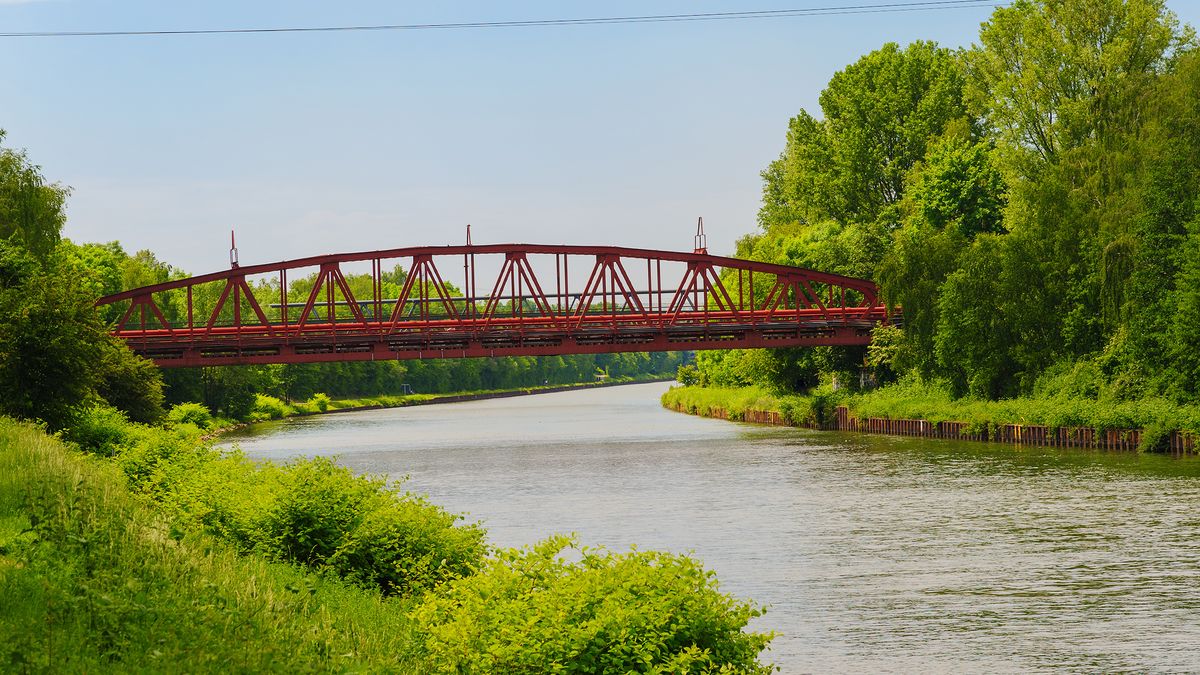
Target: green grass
<point>94,578</point>
<point>799,410</point>
<point>916,400</point>
<point>734,400</point>
<point>933,403</point>
<point>156,552</point>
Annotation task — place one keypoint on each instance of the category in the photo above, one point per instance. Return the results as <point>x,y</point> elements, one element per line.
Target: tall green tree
<point>56,356</point>
<point>31,210</point>
<point>1053,75</point>
<point>879,115</point>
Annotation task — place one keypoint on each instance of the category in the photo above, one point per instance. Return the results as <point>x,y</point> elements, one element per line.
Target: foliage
<point>1048,76</point>
<point>932,401</point>
<point>312,512</point>
<point>101,430</point>
<point>531,610</point>
<point>323,516</point>
<point>50,345</point>
<point>190,413</point>
<point>735,401</point>
<point>130,383</point>
<point>888,353</point>
<point>879,114</point>
<point>268,408</point>
<point>97,579</point>
<point>958,187</point>
<point>1044,222</point>
<point>94,580</point>
<point>319,402</point>
<point>31,211</point>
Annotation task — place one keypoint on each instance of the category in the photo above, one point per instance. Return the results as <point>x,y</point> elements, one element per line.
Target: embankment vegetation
<point>1029,202</point>
<point>146,548</point>
<point>129,543</point>
<point>915,399</point>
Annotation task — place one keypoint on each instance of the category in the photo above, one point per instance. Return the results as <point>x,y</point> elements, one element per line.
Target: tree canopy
<point>1029,202</point>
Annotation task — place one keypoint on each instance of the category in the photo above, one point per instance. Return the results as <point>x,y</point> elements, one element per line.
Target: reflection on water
<point>873,553</point>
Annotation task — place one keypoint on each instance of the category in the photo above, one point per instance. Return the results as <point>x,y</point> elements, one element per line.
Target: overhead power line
<point>882,8</point>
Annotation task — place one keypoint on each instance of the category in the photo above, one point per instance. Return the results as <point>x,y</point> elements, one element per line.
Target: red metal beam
<point>609,315</point>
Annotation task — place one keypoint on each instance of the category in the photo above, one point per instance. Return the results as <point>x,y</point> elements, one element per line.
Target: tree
<point>1053,75</point>
<point>50,344</point>
<point>130,383</point>
<point>972,338</point>
<point>959,186</point>
<point>31,211</point>
<point>879,115</point>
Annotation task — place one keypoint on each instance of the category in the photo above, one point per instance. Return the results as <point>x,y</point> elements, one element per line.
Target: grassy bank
<point>142,548</point>
<point>932,403</point>
<point>94,578</point>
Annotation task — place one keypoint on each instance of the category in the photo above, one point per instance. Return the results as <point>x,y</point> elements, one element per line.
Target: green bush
<point>319,401</point>
<point>687,375</point>
<point>530,611</point>
<point>1155,438</point>
<point>190,413</point>
<point>316,505</point>
<point>155,458</point>
<point>267,408</point>
<point>404,545</point>
<point>225,495</point>
<point>101,430</point>
<point>324,516</point>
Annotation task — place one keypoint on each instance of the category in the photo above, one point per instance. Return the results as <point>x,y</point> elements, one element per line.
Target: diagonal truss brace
<point>517,275</point>
<point>237,286</point>
<point>329,278</point>
<point>425,280</point>
<point>609,281</point>
<point>701,281</point>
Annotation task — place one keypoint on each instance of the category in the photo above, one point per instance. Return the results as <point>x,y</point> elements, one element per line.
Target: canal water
<point>871,553</point>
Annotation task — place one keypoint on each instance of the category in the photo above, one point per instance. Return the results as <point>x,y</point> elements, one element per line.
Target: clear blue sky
<point>315,143</point>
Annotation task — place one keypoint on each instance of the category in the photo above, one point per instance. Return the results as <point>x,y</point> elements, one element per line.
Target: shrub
<point>1155,438</point>
<point>131,383</point>
<point>317,504</point>
<point>190,413</point>
<point>226,495</point>
<point>154,458</point>
<point>528,611</point>
<point>405,545</point>
<point>92,584</point>
<point>324,516</point>
<point>687,375</point>
<point>267,408</point>
<point>101,430</point>
<point>319,401</point>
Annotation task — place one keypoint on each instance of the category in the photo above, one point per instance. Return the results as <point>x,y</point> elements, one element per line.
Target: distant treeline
<point>231,390</point>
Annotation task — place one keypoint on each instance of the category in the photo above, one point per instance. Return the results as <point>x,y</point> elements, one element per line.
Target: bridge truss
<point>535,300</point>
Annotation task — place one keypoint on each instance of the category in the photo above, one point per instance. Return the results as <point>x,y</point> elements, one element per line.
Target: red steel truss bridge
<point>536,300</point>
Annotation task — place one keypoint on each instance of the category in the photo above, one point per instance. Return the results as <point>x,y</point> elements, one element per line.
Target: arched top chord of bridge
<point>536,300</point>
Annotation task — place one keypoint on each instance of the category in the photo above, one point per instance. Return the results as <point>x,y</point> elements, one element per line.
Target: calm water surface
<point>871,553</point>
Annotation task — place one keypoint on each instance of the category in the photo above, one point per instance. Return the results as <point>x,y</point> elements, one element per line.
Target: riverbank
<point>96,579</point>
<point>143,548</point>
<point>926,411</point>
<point>269,408</point>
